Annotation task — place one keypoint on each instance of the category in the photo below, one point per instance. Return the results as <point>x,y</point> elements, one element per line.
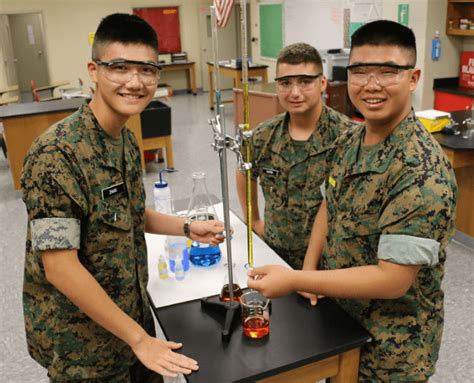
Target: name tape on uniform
<point>113,190</point>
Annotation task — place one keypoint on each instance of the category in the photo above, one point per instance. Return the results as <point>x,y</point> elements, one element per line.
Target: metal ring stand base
<point>230,310</point>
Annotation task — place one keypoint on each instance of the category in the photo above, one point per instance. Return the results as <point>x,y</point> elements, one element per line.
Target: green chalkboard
<point>271,31</point>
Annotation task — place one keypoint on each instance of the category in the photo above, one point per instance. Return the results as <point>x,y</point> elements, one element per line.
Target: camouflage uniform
<point>77,197</point>
<point>290,173</point>
<point>393,201</point>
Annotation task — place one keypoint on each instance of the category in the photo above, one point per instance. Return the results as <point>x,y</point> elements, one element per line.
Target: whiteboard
<point>327,24</point>
<point>319,23</point>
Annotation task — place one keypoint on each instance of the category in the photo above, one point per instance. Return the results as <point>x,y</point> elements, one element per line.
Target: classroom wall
<point>68,22</point>
<point>425,17</point>
<point>451,48</point>
<point>3,75</point>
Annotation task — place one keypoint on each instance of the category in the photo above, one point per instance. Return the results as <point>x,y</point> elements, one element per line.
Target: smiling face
<point>296,100</point>
<point>383,106</point>
<point>114,101</point>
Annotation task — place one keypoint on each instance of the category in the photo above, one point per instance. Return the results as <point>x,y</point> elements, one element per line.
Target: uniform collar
<point>385,151</point>
<point>317,139</point>
<point>101,145</point>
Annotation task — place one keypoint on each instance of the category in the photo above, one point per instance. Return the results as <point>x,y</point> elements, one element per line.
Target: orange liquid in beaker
<point>256,327</point>
<point>225,293</point>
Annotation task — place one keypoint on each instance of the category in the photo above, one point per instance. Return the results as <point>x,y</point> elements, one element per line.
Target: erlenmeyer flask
<point>201,209</point>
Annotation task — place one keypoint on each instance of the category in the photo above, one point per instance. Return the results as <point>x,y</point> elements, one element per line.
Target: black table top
<point>299,334</point>
<point>451,85</point>
<point>27,108</point>
<point>457,142</point>
<point>176,63</point>
<point>231,66</point>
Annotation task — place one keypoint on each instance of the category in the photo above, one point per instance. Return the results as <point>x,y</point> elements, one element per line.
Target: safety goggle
<point>385,74</point>
<point>122,71</point>
<point>304,82</point>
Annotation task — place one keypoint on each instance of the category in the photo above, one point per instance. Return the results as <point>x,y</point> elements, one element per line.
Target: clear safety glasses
<point>304,82</point>
<point>122,71</point>
<point>383,74</point>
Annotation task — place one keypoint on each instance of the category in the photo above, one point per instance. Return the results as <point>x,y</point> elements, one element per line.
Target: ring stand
<point>230,310</point>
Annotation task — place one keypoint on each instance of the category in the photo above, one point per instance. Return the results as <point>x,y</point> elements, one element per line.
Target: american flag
<point>223,10</point>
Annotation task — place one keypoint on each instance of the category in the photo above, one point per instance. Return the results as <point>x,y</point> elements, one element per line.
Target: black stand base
<point>230,309</point>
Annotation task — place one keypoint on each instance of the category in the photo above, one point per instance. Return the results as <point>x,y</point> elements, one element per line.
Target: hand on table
<point>313,298</point>
<point>157,355</point>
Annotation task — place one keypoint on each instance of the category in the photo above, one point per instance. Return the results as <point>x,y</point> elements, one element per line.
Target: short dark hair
<point>300,53</point>
<point>126,29</point>
<point>385,32</point>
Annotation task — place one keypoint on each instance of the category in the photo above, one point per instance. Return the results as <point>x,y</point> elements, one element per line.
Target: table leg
<point>211,86</point>
<point>348,367</point>
<point>192,74</point>
<point>169,152</point>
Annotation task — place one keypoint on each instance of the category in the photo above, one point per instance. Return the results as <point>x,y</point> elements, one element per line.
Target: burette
<point>246,127</point>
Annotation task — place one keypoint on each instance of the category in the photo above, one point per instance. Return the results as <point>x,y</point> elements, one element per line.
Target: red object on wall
<point>466,71</point>
<point>448,102</point>
<point>165,21</point>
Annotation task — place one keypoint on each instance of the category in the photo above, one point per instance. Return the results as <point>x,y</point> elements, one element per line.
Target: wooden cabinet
<point>459,9</point>
<point>263,102</point>
<point>337,98</point>
<point>448,102</point>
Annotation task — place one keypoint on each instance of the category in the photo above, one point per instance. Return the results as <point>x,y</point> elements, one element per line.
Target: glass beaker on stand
<point>224,296</point>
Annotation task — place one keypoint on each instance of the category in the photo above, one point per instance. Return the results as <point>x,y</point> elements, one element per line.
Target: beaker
<point>224,296</point>
<point>255,314</point>
<point>201,209</point>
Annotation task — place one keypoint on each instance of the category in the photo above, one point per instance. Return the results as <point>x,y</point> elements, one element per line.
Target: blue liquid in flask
<point>204,255</point>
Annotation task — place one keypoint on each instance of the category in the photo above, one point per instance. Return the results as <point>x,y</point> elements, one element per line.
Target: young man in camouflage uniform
<point>289,155</point>
<point>86,310</point>
<point>388,215</point>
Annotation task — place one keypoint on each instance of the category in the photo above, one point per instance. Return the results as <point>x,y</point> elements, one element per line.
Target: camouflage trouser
<point>138,373</point>
<point>295,258</point>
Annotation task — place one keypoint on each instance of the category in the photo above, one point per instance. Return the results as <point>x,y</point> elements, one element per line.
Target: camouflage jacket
<point>77,199</point>
<point>291,181</point>
<point>404,188</point>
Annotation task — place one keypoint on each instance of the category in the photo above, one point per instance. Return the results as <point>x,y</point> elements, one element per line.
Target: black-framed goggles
<point>123,61</point>
<point>379,65</point>
<point>298,76</point>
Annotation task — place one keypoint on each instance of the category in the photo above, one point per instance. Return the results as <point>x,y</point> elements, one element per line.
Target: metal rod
<point>220,120</point>
<point>225,202</point>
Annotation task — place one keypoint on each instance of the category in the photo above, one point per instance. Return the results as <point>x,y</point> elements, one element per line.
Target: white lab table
<point>201,282</point>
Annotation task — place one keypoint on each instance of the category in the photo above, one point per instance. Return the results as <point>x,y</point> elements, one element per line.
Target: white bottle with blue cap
<point>162,195</point>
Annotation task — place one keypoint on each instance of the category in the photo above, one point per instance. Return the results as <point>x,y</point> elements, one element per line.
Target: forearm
<point>71,278</point>
<point>317,239</point>
<point>157,223</point>
<point>241,181</point>
<point>383,281</point>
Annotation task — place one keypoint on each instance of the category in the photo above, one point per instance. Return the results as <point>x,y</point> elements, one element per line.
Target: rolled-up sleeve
<point>55,233</point>
<point>415,220</point>
<point>54,200</point>
<point>408,250</point>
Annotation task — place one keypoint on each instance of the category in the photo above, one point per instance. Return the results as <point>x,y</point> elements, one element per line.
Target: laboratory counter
<point>29,108</point>
<point>460,152</point>
<point>450,85</point>
<point>22,123</point>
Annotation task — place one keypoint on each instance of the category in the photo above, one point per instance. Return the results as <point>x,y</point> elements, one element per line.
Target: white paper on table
<point>201,282</point>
